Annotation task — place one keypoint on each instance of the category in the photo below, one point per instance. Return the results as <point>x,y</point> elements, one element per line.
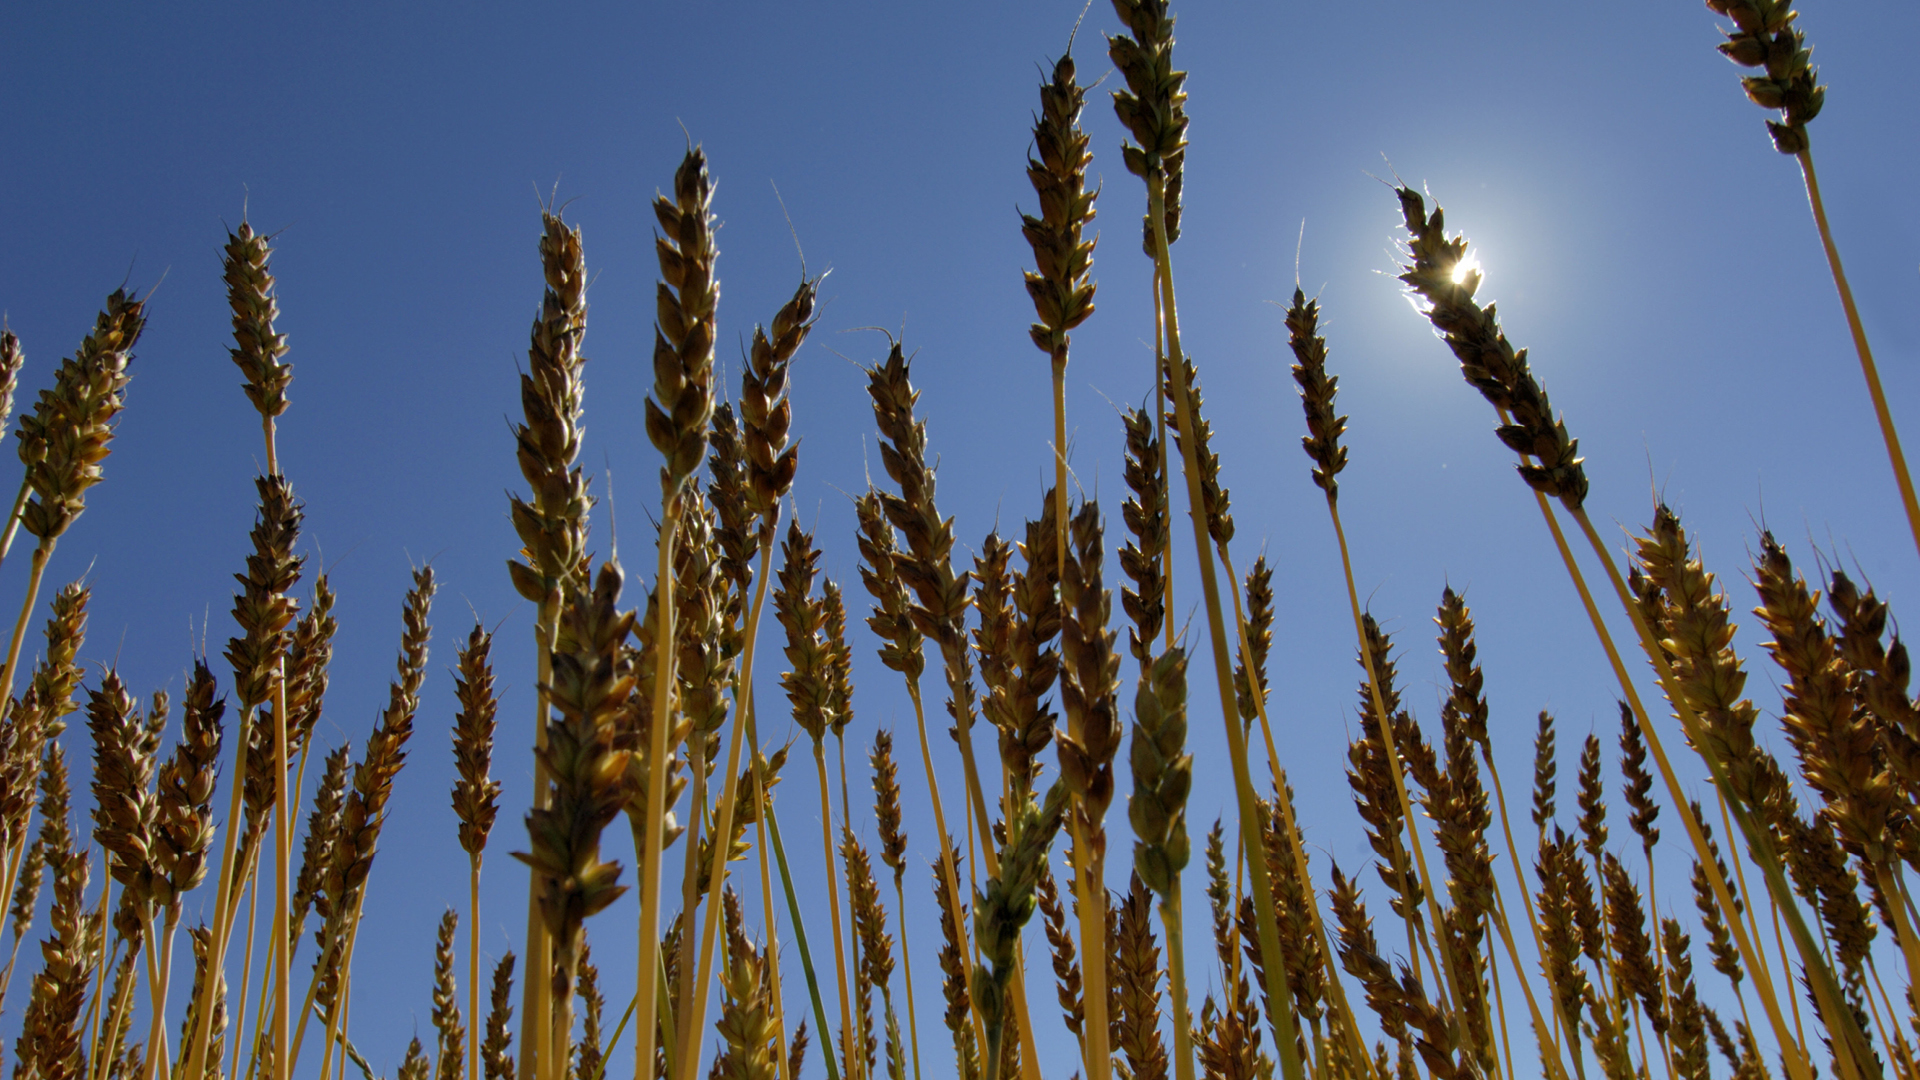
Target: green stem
<point>800,939</point>
<point>1172,921</point>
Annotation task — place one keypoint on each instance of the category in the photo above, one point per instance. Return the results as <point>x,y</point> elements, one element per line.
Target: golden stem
<point>716,875</point>
<point>1253,842</point>
<point>1867,367</point>
<point>663,677</point>
<point>848,1035</point>
<point>533,990</point>
<point>906,966</point>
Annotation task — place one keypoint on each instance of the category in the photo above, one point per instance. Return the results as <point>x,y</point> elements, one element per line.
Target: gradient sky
<point>1641,237</point>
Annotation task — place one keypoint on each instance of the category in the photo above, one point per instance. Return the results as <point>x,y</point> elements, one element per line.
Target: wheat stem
<point>649,952</point>
<point>847,1033</point>
<point>474,1022</point>
<point>1253,842</point>
<point>1895,456</point>
<point>13,516</point>
<point>533,990</point>
<point>1172,921</point>
<point>1791,1050</point>
<point>906,966</point>
<point>1443,972</point>
<point>282,956</point>
<point>742,729</point>
<point>806,956</point>
<point>193,1050</point>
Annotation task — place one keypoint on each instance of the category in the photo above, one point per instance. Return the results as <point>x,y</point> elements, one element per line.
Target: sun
<point>1464,267</point>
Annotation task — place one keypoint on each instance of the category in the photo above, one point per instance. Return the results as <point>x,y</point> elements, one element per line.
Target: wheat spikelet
<point>765,413</point>
<point>1726,958</point>
<point>1004,908</point>
<point>1688,1032</point>
<point>208,993</point>
<point>1215,499</point>
<point>681,405</point>
<point>1153,107</point>
<point>1638,789</point>
<point>1633,951</point>
<point>746,812</point>
<point>12,359</point>
<point>317,848</point>
<point>886,788</point>
<point>1834,739</point>
<point>1145,515</point>
<point>385,753</point>
<point>1136,984</point>
<point>1765,37</point>
<point>1369,775</point>
<point>1089,688</point>
<point>797,1053</point>
<point>589,1061</point>
<point>1299,932</point>
<point>1258,630</point>
<point>414,1065</point>
<point>746,1016</point>
<point>49,1045</point>
<point>1545,768</point>
<point>953,966</point>
<point>808,683</point>
<point>476,797</point>
<point>1694,624</point>
<point>1558,862</point>
<point>588,775</point>
<point>1488,361</point>
<point>1025,664</point>
<point>257,348</point>
<point>70,431</point>
<point>496,1052</point>
<point>1162,774</point>
<point>728,479</point>
<point>124,804</point>
<point>1068,989</point>
<point>450,1029</point>
<point>1061,292</point>
<point>553,526</point>
<point>1592,800</point>
<point>1317,392</point>
<point>183,827</point>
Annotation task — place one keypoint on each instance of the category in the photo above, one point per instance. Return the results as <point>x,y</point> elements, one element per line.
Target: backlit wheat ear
<point>1438,271</point>
<point>1765,37</point>
<point>1317,392</point>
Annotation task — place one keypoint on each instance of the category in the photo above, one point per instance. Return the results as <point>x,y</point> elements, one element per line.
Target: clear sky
<point>1641,236</point>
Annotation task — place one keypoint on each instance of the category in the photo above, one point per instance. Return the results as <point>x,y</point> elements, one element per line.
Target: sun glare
<point>1461,269</point>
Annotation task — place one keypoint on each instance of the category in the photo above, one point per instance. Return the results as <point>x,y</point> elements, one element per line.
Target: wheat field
<point>823,349</point>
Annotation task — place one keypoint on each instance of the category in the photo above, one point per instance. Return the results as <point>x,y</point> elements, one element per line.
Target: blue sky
<point>1640,234</point>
